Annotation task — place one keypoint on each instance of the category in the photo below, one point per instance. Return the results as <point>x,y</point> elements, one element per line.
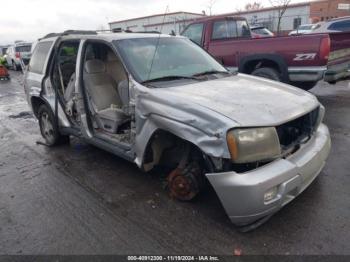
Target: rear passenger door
<point>37,70</point>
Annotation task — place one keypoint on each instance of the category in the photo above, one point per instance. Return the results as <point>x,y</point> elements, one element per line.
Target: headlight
<point>253,144</point>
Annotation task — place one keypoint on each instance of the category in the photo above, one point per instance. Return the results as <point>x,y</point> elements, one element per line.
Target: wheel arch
<point>157,157</point>
<point>249,63</point>
<point>36,102</point>
<point>207,145</point>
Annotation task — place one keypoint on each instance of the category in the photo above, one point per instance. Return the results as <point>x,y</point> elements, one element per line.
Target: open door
<point>106,93</point>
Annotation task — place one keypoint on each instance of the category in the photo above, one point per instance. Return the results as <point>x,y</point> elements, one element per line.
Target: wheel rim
<point>47,127</point>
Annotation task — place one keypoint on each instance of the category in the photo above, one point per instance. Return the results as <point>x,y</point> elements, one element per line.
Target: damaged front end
<point>252,192</point>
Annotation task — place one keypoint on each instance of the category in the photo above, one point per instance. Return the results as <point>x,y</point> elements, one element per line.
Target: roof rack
<point>120,30</point>
<point>70,32</point>
<point>79,32</point>
<point>91,32</point>
<point>147,32</point>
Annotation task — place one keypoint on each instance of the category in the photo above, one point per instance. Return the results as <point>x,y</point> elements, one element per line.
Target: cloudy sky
<point>30,19</point>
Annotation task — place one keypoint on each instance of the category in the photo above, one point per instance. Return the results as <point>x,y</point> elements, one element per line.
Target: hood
<point>247,100</point>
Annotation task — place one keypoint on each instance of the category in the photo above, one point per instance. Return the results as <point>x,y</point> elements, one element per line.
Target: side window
<point>39,57</point>
<point>340,26</point>
<point>194,32</point>
<point>224,29</point>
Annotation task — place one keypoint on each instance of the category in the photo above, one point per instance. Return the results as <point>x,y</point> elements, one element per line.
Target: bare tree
<point>210,5</point>
<point>253,6</point>
<point>281,6</point>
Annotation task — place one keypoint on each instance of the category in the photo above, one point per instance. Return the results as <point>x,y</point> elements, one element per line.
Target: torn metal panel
<point>200,126</point>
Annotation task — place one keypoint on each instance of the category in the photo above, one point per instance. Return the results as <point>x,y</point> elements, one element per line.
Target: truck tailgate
<point>339,57</point>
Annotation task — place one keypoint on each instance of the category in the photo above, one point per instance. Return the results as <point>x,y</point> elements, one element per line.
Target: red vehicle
<point>4,74</point>
<point>298,60</point>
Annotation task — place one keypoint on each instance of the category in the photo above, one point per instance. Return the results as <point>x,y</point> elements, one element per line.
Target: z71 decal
<point>302,57</point>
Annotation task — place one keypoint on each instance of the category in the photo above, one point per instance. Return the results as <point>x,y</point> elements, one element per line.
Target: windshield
<point>23,48</point>
<point>174,57</point>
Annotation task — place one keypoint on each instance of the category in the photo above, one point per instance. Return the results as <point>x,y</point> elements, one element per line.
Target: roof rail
<point>91,32</point>
<point>70,32</point>
<point>119,30</point>
<point>147,32</point>
<point>79,32</point>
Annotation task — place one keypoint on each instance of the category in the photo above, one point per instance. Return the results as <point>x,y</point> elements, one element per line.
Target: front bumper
<point>242,194</point>
<point>306,74</point>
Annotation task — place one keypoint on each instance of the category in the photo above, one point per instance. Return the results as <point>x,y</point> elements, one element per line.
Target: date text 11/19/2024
<point>173,258</point>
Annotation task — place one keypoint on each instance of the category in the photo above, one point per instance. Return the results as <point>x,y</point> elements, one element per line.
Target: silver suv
<point>160,100</point>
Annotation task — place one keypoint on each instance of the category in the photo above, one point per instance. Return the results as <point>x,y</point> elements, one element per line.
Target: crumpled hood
<point>247,100</point>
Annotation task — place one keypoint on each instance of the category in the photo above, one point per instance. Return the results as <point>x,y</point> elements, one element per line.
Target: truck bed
<point>339,58</point>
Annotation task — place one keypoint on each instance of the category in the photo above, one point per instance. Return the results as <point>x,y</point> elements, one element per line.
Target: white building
<point>295,15</point>
<point>167,23</point>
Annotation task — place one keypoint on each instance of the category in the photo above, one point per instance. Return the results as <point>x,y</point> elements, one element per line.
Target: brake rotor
<point>184,184</point>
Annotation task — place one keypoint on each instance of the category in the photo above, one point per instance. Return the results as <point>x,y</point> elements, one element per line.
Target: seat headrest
<point>95,66</point>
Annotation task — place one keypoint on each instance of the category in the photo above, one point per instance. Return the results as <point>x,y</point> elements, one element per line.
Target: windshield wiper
<point>169,78</point>
<point>211,72</point>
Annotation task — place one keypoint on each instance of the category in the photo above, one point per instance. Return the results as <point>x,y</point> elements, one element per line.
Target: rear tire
<point>49,128</point>
<point>304,85</point>
<point>267,72</point>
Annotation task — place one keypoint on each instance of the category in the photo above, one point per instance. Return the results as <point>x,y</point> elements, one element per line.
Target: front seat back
<point>103,95</point>
<point>100,85</point>
<point>114,67</point>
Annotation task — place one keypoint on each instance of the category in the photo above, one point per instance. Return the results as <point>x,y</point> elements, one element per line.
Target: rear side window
<point>343,26</point>
<point>23,48</point>
<point>39,57</point>
<point>194,32</point>
<point>230,29</point>
<point>224,29</point>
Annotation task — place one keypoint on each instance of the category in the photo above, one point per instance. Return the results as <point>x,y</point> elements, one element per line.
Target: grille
<point>298,130</point>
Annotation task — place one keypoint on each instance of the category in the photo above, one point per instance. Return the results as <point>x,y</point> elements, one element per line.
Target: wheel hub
<point>183,183</point>
<point>47,127</point>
